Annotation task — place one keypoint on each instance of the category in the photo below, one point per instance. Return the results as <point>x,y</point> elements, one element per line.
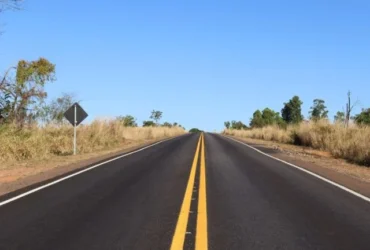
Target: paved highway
<point>190,192</point>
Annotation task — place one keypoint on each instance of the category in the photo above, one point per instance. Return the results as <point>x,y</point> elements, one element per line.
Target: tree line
<point>154,121</point>
<point>291,113</point>
<point>23,98</point>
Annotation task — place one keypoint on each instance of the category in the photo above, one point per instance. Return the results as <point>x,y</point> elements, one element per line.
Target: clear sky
<point>200,62</point>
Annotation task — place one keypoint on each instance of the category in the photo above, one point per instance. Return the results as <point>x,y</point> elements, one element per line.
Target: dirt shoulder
<point>21,175</point>
<point>349,175</point>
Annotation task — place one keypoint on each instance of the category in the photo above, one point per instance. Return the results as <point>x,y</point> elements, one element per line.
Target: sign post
<point>75,115</point>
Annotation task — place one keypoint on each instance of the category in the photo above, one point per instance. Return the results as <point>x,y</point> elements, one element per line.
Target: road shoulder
<point>22,177</point>
<point>349,175</point>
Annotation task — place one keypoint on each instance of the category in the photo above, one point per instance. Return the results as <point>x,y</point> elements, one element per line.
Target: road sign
<point>75,115</point>
<point>80,114</point>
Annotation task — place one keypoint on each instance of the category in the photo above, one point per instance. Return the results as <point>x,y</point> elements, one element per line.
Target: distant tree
<point>318,110</point>
<point>175,124</point>
<point>167,124</point>
<point>148,124</point>
<point>54,111</point>
<point>195,130</point>
<point>340,117</point>
<point>127,120</point>
<point>26,88</point>
<point>266,118</point>
<point>227,124</point>
<point>363,118</point>
<point>238,125</point>
<point>156,116</point>
<point>349,107</point>
<point>292,111</point>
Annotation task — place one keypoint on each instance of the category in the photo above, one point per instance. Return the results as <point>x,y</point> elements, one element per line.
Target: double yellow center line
<point>201,239</point>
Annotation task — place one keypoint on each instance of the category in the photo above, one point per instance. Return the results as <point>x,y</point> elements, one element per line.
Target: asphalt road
<point>184,193</point>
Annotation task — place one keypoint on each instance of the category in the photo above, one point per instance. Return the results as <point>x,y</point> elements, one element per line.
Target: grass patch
<point>38,143</point>
<point>352,144</point>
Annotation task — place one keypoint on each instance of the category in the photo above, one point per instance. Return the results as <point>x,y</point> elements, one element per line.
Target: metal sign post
<point>75,115</point>
<point>75,132</point>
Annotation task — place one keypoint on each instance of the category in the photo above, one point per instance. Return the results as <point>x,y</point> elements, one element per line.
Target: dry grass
<point>43,143</point>
<point>352,144</point>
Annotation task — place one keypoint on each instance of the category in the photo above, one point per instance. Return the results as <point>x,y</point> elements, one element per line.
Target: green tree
<point>156,116</point>
<point>148,124</point>
<point>256,121</point>
<point>318,110</point>
<point>238,125</point>
<point>292,111</point>
<point>363,118</point>
<point>266,118</point>
<point>195,130</point>
<point>27,90</point>
<point>127,120</point>
<point>340,117</point>
<point>227,124</point>
<point>167,124</point>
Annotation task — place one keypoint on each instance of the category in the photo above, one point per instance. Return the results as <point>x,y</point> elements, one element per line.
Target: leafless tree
<point>349,108</point>
<point>10,5</point>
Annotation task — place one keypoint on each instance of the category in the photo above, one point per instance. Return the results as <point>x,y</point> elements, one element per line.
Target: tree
<point>167,124</point>
<point>127,120</point>
<point>54,111</point>
<point>195,130</point>
<point>349,108</point>
<point>148,124</point>
<point>256,121</point>
<point>4,106</point>
<point>318,110</point>
<point>340,117</point>
<point>363,118</point>
<point>26,88</point>
<point>10,5</point>
<point>292,111</point>
<point>266,118</point>
<point>238,125</point>
<point>156,116</point>
<point>227,124</point>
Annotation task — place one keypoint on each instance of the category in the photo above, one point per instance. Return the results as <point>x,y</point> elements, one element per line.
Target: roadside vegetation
<point>346,137</point>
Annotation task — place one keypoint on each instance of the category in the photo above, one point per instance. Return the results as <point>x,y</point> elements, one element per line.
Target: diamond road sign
<point>80,114</point>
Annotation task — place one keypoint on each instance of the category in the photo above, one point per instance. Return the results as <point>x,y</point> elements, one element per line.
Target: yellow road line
<point>201,240</point>
<point>180,231</point>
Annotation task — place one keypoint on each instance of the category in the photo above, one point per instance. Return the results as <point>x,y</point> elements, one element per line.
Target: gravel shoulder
<point>340,171</point>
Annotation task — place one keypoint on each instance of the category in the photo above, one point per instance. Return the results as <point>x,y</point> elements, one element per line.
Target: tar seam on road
<point>182,222</point>
<point>77,173</point>
<point>363,197</point>
<point>201,240</point>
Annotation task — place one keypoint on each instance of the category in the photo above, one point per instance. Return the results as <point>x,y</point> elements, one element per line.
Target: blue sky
<point>200,62</point>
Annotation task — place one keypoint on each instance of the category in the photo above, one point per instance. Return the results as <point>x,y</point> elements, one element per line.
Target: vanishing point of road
<point>196,191</point>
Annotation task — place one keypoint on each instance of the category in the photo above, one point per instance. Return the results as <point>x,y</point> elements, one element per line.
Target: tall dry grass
<point>352,144</point>
<point>45,142</point>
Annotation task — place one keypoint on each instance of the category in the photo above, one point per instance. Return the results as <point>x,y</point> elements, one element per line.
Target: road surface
<point>190,192</point>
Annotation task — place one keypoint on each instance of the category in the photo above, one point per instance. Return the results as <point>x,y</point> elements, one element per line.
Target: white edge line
<point>79,172</point>
<point>306,171</point>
